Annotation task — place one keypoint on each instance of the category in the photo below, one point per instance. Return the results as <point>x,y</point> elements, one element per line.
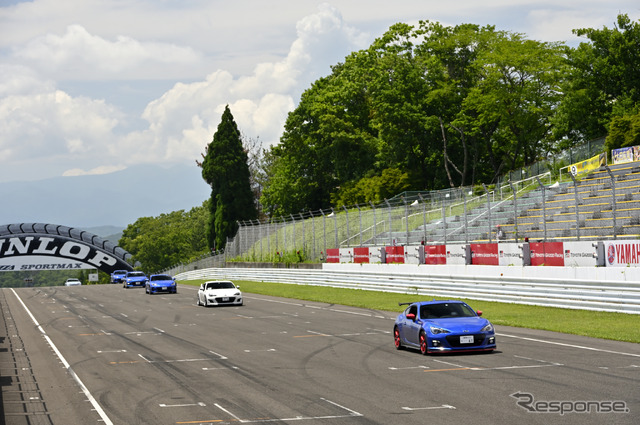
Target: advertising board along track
<point>39,246</point>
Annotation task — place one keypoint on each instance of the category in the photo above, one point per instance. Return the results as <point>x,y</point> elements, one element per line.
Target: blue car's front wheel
<point>423,343</point>
<point>396,338</point>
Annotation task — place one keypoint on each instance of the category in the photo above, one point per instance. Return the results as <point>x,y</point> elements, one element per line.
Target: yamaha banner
<point>622,253</point>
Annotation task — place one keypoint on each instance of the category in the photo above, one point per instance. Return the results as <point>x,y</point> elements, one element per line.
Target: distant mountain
<point>109,233</point>
<point>104,231</point>
<point>104,201</point>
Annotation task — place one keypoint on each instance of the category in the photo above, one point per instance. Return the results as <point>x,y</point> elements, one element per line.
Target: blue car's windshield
<point>445,310</point>
<point>160,277</point>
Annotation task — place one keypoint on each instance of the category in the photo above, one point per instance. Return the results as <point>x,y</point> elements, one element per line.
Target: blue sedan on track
<point>133,279</point>
<point>443,326</point>
<point>161,283</point>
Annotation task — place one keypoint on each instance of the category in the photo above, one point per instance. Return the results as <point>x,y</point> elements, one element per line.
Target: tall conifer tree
<point>226,170</point>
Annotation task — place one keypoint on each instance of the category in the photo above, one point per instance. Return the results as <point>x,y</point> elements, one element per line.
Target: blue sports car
<point>161,283</point>
<point>134,279</point>
<point>443,326</point>
<point>118,276</point>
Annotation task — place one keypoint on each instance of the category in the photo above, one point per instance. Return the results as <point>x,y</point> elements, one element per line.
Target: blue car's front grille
<point>454,340</point>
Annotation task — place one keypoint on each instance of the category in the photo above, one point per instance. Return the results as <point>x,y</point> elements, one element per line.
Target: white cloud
<point>95,171</point>
<point>79,55</point>
<point>53,123</point>
<point>556,24</point>
<point>18,79</point>
<point>258,57</point>
<point>259,102</point>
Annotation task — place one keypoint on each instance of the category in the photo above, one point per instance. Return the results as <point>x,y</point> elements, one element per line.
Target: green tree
<point>327,141</point>
<point>624,131</point>
<point>225,169</point>
<point>373,189</point>
<point>445,105</point>
<point>513,101</point>
<point>163,241</point>
<point>603,81</point>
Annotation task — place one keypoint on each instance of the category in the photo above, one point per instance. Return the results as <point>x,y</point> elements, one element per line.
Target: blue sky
<point>95,86</point>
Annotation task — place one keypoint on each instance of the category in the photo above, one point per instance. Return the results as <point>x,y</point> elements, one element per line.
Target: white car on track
<point>72,282</point>
<point>219,292</point>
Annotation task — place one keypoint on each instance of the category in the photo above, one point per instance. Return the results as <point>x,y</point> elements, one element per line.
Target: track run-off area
<point>103,354</point>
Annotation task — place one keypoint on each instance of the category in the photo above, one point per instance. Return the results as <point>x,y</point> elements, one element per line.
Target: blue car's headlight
<point>488,328</point>
<point>436,330</point>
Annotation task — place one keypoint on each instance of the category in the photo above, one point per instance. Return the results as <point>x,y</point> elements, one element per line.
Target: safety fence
<point>602,205</point>
<point>589,292</point>
<point>411,218</point>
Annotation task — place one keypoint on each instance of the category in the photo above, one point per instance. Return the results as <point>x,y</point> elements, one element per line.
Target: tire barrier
<point>41,246</point>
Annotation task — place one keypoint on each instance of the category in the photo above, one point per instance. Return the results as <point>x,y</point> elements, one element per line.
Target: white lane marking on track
<point>336,310</point>
<point>351,414</point>
<point>179,361</point>
<point>444,406</point>
<point>220,368</point>
<point>448,363</point>
<point>85,390</point>
<point>317,333</point>
<point>228,413</point>
<point>183,405</point>
<point>537,360</point>
<point>562,344</point>
<point>142,333</point>
<point>408,367</point>
<point>112,351</point>
<point>171,361</point>
<point>356,313</point>
<point>219,355</point>
<point>533,366</point>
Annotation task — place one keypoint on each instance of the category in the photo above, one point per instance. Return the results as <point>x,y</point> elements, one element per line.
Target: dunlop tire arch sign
<point>39,246</point>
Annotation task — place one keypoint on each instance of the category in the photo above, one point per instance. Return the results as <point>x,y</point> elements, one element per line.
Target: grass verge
<point>595,324</point>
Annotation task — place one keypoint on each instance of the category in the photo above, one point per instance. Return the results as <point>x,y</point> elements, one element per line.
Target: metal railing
<point>600,295</point>
<point>411,218</point>
<point>603,205</point>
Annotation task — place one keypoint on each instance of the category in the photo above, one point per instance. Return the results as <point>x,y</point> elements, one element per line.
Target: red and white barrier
<point>435,254</point>
<point>625,253</point>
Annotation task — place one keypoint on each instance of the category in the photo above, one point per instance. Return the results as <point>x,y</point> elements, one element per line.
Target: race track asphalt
<point>107,355</point>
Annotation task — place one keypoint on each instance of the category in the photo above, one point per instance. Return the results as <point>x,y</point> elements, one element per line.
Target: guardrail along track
<point>619,297</point>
